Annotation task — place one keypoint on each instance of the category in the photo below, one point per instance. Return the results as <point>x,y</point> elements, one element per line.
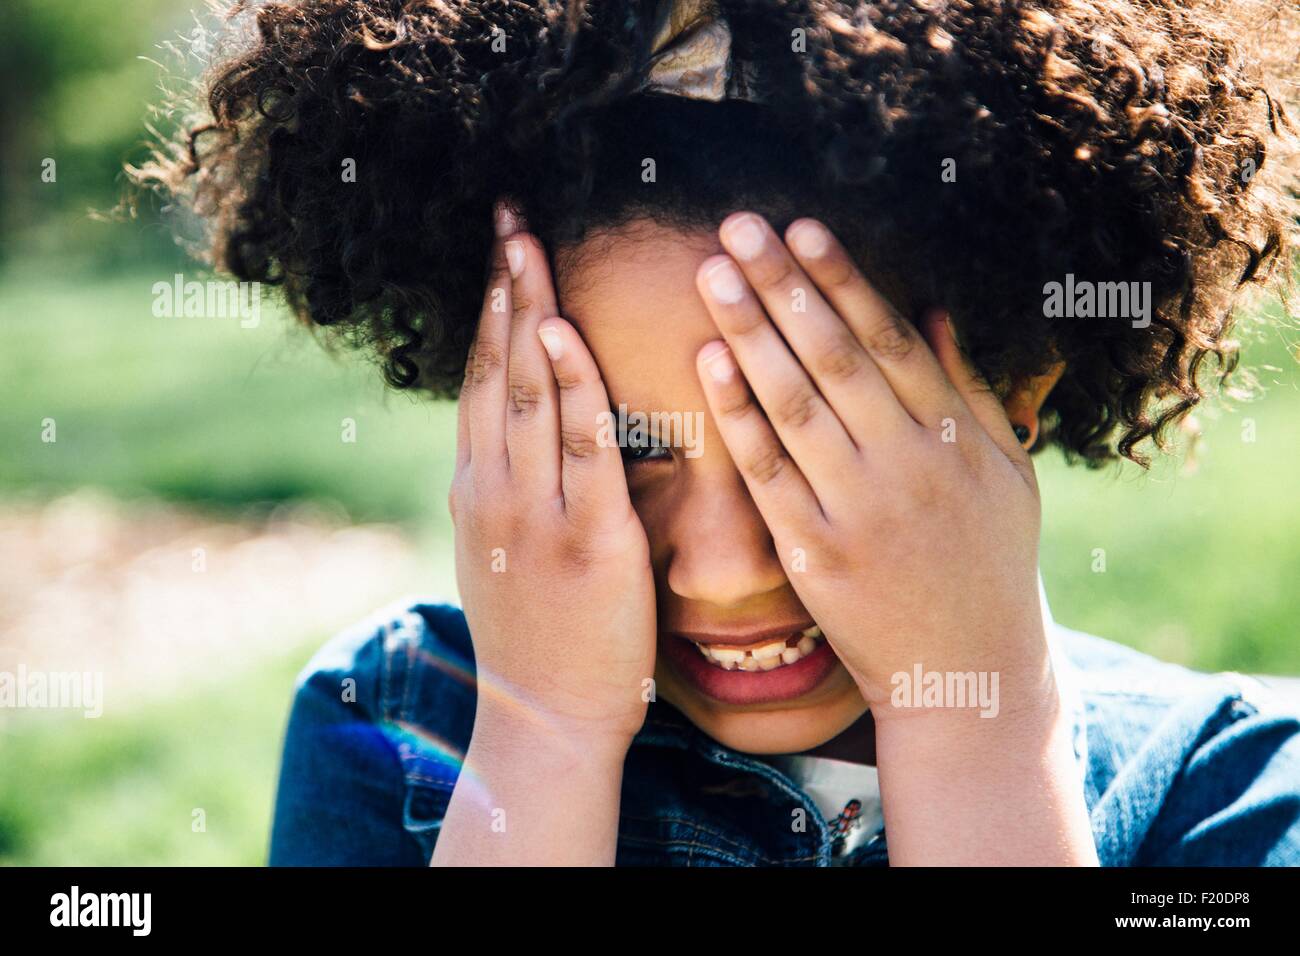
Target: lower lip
<point>750,687</point>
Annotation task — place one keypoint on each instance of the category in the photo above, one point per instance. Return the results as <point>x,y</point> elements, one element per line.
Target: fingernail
<point>505,220</point>
<point>725,283</point>
<point>810,239</point>
<point>515,257</point>
<point>745,237</point>
<point>720,364</point>
<point>551,341</point>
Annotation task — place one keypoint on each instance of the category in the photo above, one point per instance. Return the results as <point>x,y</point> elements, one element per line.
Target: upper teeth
<point>764,657</point>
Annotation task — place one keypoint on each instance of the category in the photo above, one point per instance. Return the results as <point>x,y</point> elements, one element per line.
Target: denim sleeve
<point>339,801</point>
<point>1237,800</point>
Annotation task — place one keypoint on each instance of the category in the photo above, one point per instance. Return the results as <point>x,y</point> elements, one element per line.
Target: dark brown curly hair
<point>1115,140</point>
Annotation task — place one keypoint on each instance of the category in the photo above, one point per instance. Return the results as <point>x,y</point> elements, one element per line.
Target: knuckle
<point>842,360</point>
<point>521,302</point>
<point>927,495</point>
<point>735,404</point>
<point>461,485</point>
<point>498,278</point>
<point>797,409</point>
<point>576,444</point>
<point>838,272</point>
<point>485,361</point>
<point>525,398</point>
<point>892,340</point>
<point>471,521</point>
<point>767,464</point>
<point>473,524</point>
<point>887,525</point>
<point>745,319</point>
<point>567,380</point>
<point>936,487</point>
<point>576,551</point>
<point>513,526</point>
<point>478,488</point>
<point>774,271</point>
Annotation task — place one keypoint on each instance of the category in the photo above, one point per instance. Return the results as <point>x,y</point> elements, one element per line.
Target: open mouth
<point>777,666</point>
<point>766,656</point>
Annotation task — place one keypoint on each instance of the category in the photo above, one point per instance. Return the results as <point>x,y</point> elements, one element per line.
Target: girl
<point>838,234</point>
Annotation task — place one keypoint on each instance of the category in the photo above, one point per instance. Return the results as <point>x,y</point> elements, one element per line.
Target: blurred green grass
<point>122,789</point>
<point>1201,563</point>
<point>201,409</point>
<point>1199,567</point>
<point>205,412</point>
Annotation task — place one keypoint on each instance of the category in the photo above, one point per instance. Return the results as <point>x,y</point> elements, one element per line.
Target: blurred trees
<point>75,91</point>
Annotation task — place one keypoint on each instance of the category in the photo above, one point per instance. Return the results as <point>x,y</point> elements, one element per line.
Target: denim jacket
<point>1178,767</point>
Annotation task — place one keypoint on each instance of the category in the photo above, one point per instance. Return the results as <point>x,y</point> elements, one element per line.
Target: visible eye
<point>650,450</point>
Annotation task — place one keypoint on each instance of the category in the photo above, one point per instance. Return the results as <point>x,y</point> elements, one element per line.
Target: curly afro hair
<point>1111,140</point>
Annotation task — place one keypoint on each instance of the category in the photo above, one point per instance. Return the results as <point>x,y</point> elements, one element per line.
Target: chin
<point>768,726</point>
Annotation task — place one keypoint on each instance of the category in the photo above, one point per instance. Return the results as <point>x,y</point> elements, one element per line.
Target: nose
<point>720,551</point>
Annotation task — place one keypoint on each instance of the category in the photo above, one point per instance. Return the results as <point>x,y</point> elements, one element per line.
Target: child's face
<point>633,297</point>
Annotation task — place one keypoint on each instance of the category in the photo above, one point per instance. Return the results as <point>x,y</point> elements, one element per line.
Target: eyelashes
<point>643,452</point>
<point>645,437</point>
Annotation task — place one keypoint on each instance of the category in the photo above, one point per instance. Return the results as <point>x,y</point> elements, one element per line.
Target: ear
<point>1026,400</point>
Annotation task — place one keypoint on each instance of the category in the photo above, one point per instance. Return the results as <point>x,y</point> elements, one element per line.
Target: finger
<point>483,395</point>
<point>592,477</point>
<point>532,424</point>
<point>840,367</point>
<point>805,424</point>
<point>984,404</point>
<point>894,343</point>
<point>779,489</point>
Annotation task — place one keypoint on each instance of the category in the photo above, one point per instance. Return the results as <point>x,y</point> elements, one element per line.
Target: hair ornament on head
<point>691,55</point>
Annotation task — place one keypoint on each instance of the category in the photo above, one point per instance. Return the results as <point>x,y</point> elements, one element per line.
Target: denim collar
<point>665,726</point>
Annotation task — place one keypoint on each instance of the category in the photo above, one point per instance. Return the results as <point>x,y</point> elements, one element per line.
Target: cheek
<point>650,496</point>
<point>696,508</point>
<point>664,499</point>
